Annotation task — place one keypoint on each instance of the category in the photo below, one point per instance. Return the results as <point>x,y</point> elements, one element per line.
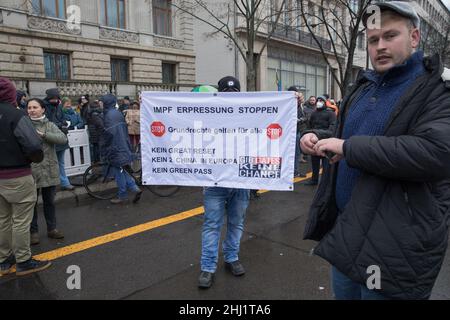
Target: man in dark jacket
<point>323,120</point>
<point>381,210</point>
<point>20,145</point>
<point>116,149</point>
<point>301,126</point>
<point>94,119</point>
<point>54,112</point>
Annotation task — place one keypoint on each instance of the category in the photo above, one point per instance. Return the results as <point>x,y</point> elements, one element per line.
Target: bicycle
<point>98,180</point>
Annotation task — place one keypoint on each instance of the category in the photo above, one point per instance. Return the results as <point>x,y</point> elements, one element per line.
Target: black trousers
<point>48,198</point>
<point>315,163</point>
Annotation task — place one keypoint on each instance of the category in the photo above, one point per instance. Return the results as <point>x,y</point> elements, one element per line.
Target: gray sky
<point>447,3</point>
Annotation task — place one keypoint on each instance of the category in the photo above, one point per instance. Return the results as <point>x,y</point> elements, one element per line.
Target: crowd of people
<point>382,200</point>
<point>34,137</point>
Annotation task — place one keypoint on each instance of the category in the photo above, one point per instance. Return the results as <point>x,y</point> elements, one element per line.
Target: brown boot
<point>55,234</point>
<point>34,238</point>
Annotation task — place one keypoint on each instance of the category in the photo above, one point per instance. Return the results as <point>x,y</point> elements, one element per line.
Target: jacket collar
<point>399,73</point>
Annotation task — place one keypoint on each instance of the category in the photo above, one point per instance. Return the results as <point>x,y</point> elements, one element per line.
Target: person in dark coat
<point>54,113</point>
<point>21,146</point>
<point>381,210</point>
<point>83,105</point>
<point>21,100</point>
<point>322,119</point>
<point>301,126</point>
<point>116,149</point>
<point>94,119</point>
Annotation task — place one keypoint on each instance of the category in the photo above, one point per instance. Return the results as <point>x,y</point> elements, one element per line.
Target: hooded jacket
<point>55,114</point>
<point>19,142</point>
<point>115,143</point>
<point>397,216</point>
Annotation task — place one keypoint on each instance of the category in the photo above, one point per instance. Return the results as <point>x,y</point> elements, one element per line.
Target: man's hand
<point>334,146</point>
<point>307,143</point>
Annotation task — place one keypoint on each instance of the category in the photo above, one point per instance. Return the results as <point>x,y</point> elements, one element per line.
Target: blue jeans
<point>124,182</point>
<point>218,202</point>
<point>346,289</point>
<point>62,172</point>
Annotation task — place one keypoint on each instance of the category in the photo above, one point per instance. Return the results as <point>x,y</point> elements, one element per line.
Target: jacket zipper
<point>405,194</point>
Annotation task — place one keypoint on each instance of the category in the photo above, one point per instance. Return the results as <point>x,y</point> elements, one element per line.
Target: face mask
<point>320,105</point>
<point>23,105</point>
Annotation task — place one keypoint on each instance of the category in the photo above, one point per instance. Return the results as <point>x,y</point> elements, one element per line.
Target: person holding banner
<point>219,202</point>
<point>116,149</point>
<point>301,126</point>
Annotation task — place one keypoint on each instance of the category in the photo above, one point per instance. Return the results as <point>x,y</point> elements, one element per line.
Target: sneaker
<point>34,238</point>
<point>7,265</point>
<point>205,280</point>
<point>235,267</point>
<point>118,201</point>
<point>137,195</point>
<point>31,266</point>
<point>68,188</point>
<point>55,234</point>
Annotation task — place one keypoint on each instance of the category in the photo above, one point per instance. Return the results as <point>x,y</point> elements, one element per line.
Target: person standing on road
<point>219,202</point>
<point>45,173</point>
<point>301,126</point>
<point>20,145</point>
<point>323,120</point>
<point>381,210</point>
<point>116,149</point>
<point>54,113</point>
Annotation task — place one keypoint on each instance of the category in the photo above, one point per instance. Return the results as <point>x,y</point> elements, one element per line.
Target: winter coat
<point>397,217</point>
<point>46,173</point>
<point>56,115</point>
<point>95,124</point>
<point>322,119</point>
<point>133,120</point>
<point>115,144</point>
<point>74,118</point>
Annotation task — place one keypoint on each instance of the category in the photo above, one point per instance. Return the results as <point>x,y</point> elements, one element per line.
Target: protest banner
<point>233,140</point>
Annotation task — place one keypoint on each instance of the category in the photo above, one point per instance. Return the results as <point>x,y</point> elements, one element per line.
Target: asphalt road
<point>163,262</point>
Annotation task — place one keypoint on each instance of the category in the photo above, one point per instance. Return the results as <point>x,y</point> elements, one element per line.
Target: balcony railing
<point>77,88</point>
<point>292,34</point>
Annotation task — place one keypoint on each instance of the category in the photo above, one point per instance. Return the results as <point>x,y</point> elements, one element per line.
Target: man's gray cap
<point>403,8</point>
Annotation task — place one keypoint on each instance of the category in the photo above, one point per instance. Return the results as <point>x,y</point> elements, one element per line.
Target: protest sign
<point>233,140</point>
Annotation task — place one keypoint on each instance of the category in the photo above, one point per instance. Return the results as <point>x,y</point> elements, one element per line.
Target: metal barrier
<point>78,157</point>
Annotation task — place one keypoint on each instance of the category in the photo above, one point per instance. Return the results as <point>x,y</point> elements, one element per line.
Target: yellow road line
<point>95,242</point>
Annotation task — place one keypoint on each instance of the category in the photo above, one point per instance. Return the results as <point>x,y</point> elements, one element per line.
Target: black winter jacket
<point>19,141</point>
<point>397,217</point>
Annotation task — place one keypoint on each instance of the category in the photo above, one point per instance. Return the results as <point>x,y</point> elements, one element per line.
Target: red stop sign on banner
<point>158,129</point>
<point>274,131</point>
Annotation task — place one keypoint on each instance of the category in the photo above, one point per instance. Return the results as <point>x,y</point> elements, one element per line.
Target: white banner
<point>233,140</point>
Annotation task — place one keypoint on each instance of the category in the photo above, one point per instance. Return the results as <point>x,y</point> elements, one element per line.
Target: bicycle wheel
<point>163,191</point>
<point>99,182</point>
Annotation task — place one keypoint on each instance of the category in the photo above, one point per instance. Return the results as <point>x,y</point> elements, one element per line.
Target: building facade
<point>96,47</point>
<point>292,56</point>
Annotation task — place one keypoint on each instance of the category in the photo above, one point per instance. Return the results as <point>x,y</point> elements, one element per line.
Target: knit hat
<point>7,91</point>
